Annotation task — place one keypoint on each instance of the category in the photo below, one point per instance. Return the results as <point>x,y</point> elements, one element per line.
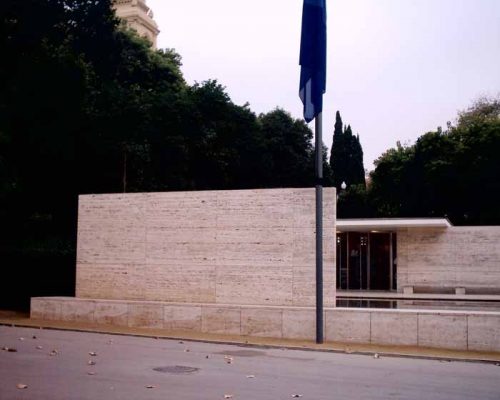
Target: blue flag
<point>313,58</point>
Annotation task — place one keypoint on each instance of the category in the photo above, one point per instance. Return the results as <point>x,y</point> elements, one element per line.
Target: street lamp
<point>343,187</point>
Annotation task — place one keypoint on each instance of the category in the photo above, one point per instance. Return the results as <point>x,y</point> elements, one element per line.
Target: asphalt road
<point>124,368</point>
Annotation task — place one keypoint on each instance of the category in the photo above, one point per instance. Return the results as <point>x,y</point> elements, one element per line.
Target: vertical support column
<point>391,261</point>
<point>348,261</point>
<point>368,263</point>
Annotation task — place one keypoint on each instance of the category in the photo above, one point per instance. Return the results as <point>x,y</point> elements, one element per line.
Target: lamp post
<point>343,187</point>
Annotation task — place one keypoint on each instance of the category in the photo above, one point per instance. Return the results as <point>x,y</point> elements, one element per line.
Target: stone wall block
<point>299,324</point>
<point>347,326</point>
<point>111,313</point>
<point>442,331</point>
<point>77,311</point>
<point>261,322</point>
<point>394,328</point>
<point>144,315</point>
<point>225,247</point>
<point>484,332</point>
<point>182,318</point>
<point>447,258</point>
<point>45,309</point>
<point>264,285</point>
<point>221,320</point>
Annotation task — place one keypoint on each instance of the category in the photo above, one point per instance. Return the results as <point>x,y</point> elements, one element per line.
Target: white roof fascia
<point>391,224</point>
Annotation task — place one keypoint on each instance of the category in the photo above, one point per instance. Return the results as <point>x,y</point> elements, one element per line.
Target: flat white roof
<point>386,224</point>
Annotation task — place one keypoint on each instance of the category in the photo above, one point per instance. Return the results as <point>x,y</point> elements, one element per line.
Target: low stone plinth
<point>459,330</point>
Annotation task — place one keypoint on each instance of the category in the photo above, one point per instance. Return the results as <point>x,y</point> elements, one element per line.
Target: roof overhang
<point>391,224</point>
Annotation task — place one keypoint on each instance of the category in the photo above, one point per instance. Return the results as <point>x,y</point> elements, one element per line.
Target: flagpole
<point>319,227</point>
<point>311,90</point>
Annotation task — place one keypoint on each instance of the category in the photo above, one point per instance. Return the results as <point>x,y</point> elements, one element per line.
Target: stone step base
<point>459,330</point>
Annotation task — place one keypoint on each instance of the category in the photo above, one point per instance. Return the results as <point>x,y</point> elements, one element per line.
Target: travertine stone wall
<point>466,257</point>
<point>252,247</point>
<point>459,330</point>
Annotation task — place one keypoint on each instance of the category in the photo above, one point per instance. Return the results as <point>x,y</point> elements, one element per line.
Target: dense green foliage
<point>346,158</point>
<point>453,173</point>
<point>87,107</point>
<point>346,161</point>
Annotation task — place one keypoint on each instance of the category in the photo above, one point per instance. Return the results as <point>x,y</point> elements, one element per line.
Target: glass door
<point>380,261</point>
<point>366,261</point>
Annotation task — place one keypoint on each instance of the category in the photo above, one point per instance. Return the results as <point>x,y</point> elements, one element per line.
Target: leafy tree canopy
<point>86,106</point>
<point>453,173</point>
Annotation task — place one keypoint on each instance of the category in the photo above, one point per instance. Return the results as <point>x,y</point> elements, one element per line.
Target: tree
<point>346,159</point>
<point>87,106</point>
<point>454,173</point>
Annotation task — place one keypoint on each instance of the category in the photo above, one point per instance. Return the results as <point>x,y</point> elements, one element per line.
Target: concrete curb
<point>263,343</point>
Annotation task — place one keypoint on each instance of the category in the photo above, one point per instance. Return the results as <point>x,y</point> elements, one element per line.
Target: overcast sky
<point>396,68</point>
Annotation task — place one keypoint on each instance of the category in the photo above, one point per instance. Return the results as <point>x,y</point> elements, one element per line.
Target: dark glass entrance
<point>366,261</point>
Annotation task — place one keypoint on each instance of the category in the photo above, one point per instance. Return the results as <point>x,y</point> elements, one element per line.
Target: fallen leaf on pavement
<point>376,355</point>
<point>92,353</point>
<point>22,386</point>
<point>91,362</point>
<point>9,349</point>
<point>150,386</point>
<point>39,347</point>
<point>228,396</point>
<point>54,353</point>
<point>91,373</point>
<point>296,395</point>
<point>250,376</point>
<point>21,339</point>
<point>34,337</point>
<point>228,359</point>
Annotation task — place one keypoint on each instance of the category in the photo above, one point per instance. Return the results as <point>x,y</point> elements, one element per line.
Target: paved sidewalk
<point>68,365</point>
<point>23,320</point>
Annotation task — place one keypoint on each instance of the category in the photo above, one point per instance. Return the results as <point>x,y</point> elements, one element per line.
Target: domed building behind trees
<point>138,16</point>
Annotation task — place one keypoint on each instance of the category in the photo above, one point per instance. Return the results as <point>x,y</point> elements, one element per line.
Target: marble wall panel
<point>299,324</point>
<point>77,311</point>
<point>45,309</point>
<point>266,285</point>
<point>111,313</point>
<point>442,331</point>
<point>261,322</point>
<point>226,247</point>
<point>144,315</point>
<point>221,320</point>
<point>182,318</point>
<point>455,257</point>
<point>484,332</point>
<point>394,328</point>
<point>181,210</point>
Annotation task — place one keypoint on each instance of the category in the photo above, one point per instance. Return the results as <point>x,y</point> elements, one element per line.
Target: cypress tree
<point>337,155</point>
<point>346,158</point>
